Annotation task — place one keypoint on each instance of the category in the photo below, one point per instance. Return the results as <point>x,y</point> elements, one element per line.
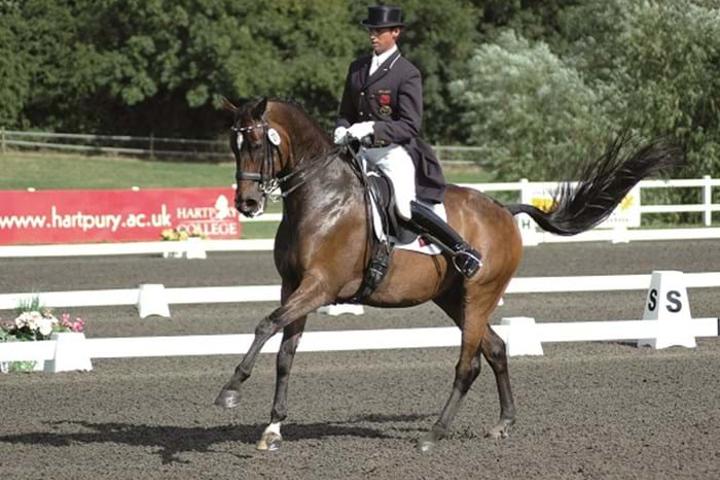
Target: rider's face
<point>383,39</point>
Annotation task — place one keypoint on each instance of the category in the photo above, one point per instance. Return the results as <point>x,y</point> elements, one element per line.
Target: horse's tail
<point>602,185</point>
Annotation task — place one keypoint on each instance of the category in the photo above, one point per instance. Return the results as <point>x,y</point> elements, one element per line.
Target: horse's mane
<point>296,105</point>
<point>312,127</point>
<point>248,106</point>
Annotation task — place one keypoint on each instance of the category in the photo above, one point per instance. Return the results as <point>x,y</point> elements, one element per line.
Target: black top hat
<point>383,16</point>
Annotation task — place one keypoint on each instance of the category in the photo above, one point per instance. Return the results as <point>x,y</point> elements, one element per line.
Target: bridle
<point>268,179</point>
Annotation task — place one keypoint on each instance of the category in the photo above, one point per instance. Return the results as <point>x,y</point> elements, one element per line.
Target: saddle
<point>379,194</point>
<point>382,194</point>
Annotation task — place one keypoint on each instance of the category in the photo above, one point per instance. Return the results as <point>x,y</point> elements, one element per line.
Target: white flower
<point>23,319</point>
<point>34,320</point>
<point>45,326</point>
<point>29,320</point>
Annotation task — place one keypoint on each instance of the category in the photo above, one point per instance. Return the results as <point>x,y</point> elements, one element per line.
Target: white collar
<point>380,59</point>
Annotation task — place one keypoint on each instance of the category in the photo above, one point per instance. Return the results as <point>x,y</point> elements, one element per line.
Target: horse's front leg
<point>308,297</point>
<point>271,437</point>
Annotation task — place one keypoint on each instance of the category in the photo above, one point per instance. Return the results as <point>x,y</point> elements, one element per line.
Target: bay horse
<point>321,247</point>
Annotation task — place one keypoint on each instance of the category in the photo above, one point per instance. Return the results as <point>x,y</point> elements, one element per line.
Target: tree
<point>157,66</point>
<point>440,37</point>
<point>529,111</point>
<point>14,66</point>
<point>661,63</point>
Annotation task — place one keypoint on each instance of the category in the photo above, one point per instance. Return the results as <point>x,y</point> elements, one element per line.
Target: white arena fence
<point>666,322</point>
<point>151,297</point>
<point>72,351</point>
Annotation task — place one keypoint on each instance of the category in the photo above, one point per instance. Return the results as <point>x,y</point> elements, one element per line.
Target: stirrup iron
<point>466,262</point>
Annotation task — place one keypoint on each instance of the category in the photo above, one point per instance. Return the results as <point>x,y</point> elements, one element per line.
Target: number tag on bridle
<point>273,136</point>
<point>239,141</point>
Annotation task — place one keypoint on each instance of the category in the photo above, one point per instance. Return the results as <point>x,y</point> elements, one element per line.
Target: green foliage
<point>33,304</point>
<point>572,73</point>
<point>161,67</point>
<point>439,38</point>
<point>529,111</point>
<point>14,66</point>
<point>673,75</point>
<point>660,64</point>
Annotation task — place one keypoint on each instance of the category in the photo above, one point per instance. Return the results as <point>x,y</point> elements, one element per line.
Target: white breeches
<point>396,163</point>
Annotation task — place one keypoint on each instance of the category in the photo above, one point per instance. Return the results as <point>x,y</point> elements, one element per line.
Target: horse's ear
<point>259,109</point>
<point>228,105</point>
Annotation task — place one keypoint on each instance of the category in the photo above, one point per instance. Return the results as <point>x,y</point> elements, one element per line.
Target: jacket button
<point>362,94</point>
<point>362,114</point>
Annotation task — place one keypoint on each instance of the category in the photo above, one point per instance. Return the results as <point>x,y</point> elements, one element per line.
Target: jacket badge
<point>384,99</point>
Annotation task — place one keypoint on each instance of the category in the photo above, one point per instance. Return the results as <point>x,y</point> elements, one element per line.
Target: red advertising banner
<point>84,216</point>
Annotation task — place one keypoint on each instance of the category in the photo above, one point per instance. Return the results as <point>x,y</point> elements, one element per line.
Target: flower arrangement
<point>32,323</point>
<point>182,233</point>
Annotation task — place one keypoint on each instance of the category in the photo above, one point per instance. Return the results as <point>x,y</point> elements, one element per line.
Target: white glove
<point>339,135</point>
<point>361,130</point>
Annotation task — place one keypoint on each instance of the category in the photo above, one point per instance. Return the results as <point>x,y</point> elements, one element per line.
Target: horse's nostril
<point>246,206</point>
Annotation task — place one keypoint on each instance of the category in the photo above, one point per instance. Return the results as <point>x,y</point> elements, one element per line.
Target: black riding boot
<point>465,258</point>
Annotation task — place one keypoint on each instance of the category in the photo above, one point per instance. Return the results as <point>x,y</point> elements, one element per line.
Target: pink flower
<point>78,325</point>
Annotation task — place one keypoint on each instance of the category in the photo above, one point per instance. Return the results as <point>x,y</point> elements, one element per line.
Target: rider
<point>383,100</point>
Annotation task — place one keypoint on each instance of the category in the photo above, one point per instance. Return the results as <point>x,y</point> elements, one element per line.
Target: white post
<point>340,308</point>
<point>667,303</point>
<point>70,353</point>
<point>522,336</point>
<point>194,248</point>
<point>525,223</point>
<point>620,234</point>
<point>707,200</point>
<point>152,300</point>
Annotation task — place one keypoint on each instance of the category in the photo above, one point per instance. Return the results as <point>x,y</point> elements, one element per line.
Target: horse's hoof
<point>501,430</point>
<point>228,399</point>
<point>269,442</point>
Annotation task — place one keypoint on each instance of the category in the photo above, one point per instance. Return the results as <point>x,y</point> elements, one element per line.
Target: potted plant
<point>34,323</point>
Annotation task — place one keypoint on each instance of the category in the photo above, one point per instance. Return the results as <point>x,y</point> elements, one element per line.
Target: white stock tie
<point>375,64</point>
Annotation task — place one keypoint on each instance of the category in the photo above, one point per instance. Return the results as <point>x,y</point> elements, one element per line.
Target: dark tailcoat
<point>392,98</point>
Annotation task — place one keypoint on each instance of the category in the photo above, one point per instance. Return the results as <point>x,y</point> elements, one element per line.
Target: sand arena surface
<point>585,410</point>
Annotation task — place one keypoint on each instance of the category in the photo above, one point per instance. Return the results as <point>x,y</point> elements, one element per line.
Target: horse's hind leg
<point>466,371</point>
<point>471,312</point>
<point>309,296</point>
<point>473,325</point>
<point>493,349</point>
<point>271,437</point>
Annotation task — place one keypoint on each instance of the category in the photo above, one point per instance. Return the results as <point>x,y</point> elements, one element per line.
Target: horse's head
<point>259,144</point>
